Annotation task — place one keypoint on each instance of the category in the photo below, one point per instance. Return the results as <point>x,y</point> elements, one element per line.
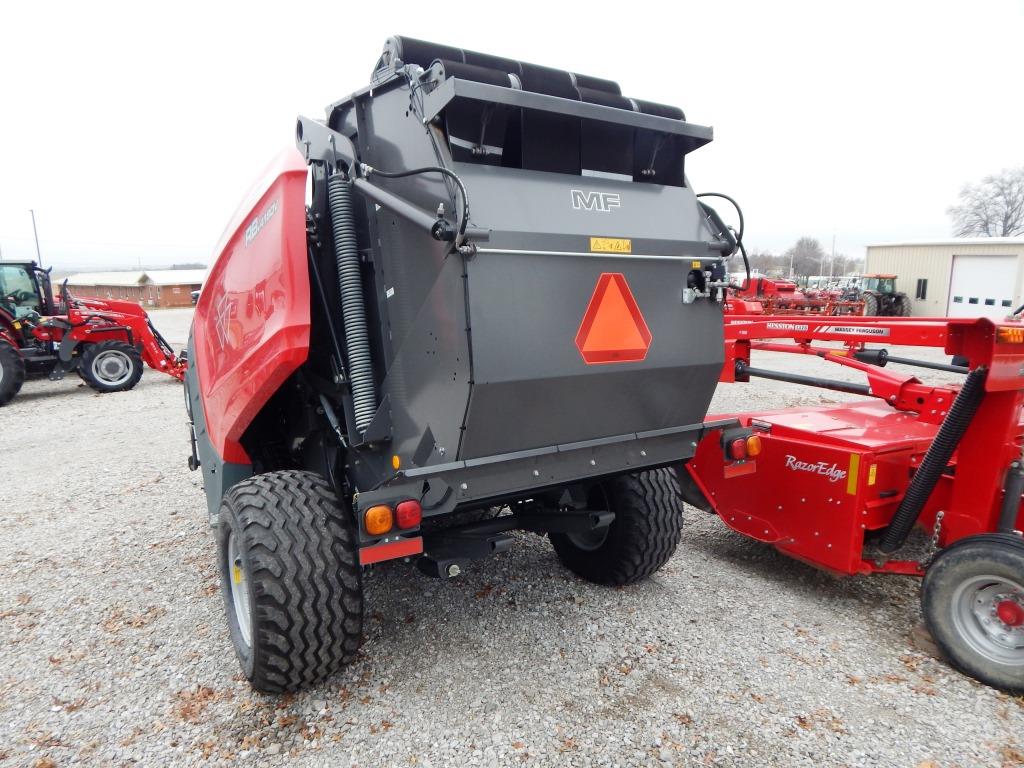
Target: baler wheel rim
<point>239,582</point>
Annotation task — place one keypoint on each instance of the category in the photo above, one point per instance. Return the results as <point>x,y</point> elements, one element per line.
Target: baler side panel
<point>252,322</point>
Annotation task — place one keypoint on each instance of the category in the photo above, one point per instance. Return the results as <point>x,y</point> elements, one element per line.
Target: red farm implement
<point>843,487</point>
<point>775,296</point>
<point>105,341</point>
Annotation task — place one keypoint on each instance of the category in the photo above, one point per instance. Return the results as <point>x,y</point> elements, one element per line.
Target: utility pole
<point>35,234</point>
<point>832,263</point>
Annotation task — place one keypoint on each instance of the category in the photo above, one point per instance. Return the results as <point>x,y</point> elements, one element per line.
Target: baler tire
<point>648,524</point>
<point>125,353</point>
<point>297,558</point>
<point>952,592</point>
<point>870,305</point>
<point>12,372</point>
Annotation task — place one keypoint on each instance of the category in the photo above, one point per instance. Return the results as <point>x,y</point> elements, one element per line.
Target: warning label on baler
<point>611,245</point>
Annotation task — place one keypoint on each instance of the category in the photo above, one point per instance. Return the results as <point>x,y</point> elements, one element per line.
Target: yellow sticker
<point>695,264</point>
<point>17,325</point>
<point>872,472</point>
<point>236,574</point>
<point>851,477</point>
<point>611,245</point>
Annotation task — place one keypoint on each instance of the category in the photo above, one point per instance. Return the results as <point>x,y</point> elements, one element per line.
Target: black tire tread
<point>91,350</point>
<point>644,535</point>
<point>307,582</point>
<point>14,372</point>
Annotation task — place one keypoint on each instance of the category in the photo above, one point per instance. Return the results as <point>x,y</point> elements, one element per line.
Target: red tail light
<point>738,449</point>
<point>408,514</point>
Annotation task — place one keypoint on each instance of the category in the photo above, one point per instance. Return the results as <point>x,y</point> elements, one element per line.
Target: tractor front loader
<point>105,341</point>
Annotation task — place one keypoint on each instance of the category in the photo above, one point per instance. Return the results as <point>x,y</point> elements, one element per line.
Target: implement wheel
<point>291,581</point>
<point>111,366</point>
<point>12,372</point>
<point>972,599</point>
<point>645,533</point>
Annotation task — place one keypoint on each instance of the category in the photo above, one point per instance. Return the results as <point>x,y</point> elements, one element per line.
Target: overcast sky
<point>134,132</point>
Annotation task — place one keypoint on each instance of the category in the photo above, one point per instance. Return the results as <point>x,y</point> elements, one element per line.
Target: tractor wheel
<point>291,580</point>
<point>111,366</point>
<point>870,304</point>
<point>645,533</point>
<point>903,305</point>
<point>972,599</point>
<point>12,372</point>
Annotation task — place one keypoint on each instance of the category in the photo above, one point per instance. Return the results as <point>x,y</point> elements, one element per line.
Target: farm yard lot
<point>116,650</point>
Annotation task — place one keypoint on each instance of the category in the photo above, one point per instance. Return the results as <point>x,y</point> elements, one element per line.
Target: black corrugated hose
<point>935,461</point>
<point>353,310</point>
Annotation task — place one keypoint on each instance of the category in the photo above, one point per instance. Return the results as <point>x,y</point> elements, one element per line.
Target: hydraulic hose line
<point>935,461</point>
<point>353,309</point>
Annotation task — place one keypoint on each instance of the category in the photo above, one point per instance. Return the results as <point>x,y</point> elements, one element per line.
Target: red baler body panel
<point>251,326</point>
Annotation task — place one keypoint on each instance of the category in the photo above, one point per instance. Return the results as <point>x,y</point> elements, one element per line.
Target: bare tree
<point>806,257</point>
<point>993,208</point>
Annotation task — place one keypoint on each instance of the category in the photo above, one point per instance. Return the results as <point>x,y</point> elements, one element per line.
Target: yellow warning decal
<point>851,477</point>
<point>236,574</point>
<point>872,472</point>
<point>695,264</point>
<point>611,245</point>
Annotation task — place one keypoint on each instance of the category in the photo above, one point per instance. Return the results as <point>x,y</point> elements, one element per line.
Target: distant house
<point>151,288</point>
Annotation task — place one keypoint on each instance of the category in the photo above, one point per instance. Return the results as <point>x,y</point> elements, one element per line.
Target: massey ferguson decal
<point>832,472</point>
<point>853,330</point>
<point>257,224</point>
<point>787,326</point>
<point>583,200</point>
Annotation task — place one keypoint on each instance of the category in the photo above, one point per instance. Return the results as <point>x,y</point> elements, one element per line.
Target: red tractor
<point>104,341</point>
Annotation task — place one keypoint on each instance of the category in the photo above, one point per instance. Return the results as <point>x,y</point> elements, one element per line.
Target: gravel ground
<point>115,650</point>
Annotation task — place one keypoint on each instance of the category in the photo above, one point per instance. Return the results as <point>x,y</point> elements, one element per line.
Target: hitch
<point>446,553</point>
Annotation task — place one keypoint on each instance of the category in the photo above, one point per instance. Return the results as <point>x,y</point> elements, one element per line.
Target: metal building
<point>963,277</point>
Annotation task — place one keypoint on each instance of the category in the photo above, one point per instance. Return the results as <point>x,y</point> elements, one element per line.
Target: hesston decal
<point>613,329</point>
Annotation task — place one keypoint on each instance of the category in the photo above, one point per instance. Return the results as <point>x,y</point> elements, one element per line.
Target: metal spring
<point>353,310</point>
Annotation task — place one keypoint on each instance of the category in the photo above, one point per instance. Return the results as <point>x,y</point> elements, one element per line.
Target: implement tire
<point>291,580</point>
<point>648,523</point>
<point>110,366</point>
<point>12,372</point>
<point>972,600</point>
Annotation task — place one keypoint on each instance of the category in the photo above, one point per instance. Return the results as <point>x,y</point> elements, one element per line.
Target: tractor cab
<point>25,289</point>
<point>879,283</point>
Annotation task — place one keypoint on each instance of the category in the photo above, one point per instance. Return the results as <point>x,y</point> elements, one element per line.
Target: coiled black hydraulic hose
<point>353,310</point>
<point>935,461</point>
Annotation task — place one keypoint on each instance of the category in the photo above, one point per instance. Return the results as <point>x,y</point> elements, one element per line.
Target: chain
<point>933,545</point>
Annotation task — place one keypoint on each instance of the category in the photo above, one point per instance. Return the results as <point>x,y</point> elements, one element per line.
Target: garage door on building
<point>982,286</point>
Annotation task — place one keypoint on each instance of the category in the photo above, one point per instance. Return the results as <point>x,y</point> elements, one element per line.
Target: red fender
<point>251,326</point>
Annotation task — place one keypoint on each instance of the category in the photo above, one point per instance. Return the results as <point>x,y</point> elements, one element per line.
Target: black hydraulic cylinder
<point>743,370</point>
<point>1012,490</point>
<point>935,461</point>
<point>880,357</point>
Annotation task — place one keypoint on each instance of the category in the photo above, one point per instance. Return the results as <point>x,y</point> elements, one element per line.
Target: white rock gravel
<point>115,650</point>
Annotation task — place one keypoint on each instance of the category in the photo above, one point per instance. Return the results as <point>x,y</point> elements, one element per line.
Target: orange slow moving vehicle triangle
<point>613,329</point>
